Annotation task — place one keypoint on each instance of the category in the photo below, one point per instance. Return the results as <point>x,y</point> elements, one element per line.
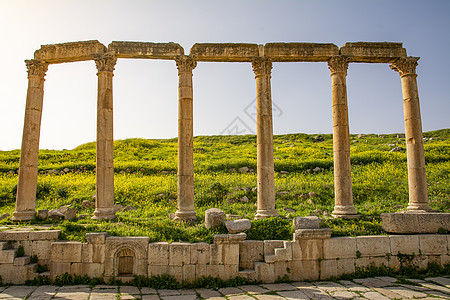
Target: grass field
<point>145,177</point>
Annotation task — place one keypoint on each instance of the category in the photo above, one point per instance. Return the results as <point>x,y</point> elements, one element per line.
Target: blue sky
<point>145,91</point>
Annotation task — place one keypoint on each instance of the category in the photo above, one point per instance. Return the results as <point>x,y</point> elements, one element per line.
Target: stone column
<point>28,167</point>
<point>104,194</point>
<point>185,212</point>
<point>265,168</point>
<point>417,181</point>
<point>343,207</point>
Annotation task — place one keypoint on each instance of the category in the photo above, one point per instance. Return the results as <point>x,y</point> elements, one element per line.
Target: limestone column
<point>417,181</point>
<point>104,194</point>
<point>343,207</point>
<point>265,167</point>
<point>28,166</point>
<point>185,212</point>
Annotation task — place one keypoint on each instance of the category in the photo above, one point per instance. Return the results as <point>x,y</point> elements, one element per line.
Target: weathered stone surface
<point>224,52</point>
<point>67,251</point>
<point>404,244</point>
<point>339,247</point>
<point>433,244</point>
<point>158,254</point>
<point>323,233</point>
<point>373,245</point>
<point>250,252</point>
<point>199,253</point>
<point>69,52</point>
<point>55,214</point>
<point>236,226</point>
<point>229,238</point>
<point>22,261</point>
<point>179,254</point>
<point>412,222</point>
<point>300,51</point>
<point>214,217</point>
<point>42,214</point>
<point>15,234</point>
<point>311,222</point>
<point>88,204</point>
<point>145,50</point>
<point>96,237</point>
<point>7,256</point>
<point>373,52</point>
<point>70,214</point>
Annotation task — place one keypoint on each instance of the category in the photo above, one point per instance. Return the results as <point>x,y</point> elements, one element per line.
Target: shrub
<point>273,228</point>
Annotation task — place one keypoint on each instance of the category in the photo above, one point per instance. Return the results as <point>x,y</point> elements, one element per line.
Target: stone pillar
<point>185,212</point>
<point>343,207</point>
<point>265,168</point>
<point>104,194</point>
<point>28,167</point>
<point>417,181</point>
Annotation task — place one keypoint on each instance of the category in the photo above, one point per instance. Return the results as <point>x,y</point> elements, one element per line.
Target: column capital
<point>405,65</point>
<point>338,64</point>
<point>262,66</point>
<point>185,64</point>
<point>36,67</point>
<point>105,62</point>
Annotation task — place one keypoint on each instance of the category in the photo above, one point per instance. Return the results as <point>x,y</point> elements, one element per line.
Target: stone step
<point>22,260</point>
<point>280,254</point>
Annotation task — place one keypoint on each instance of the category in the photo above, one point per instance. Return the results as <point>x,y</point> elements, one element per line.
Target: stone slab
<point>373,52</point>
<point>410,222</point>
<point>300,51</point>
<point>146,50</point>
<point>238,52</point>
<point>42,235</point>
<point>14,235</point>
<point>323,233</point>
<point>69,52</point>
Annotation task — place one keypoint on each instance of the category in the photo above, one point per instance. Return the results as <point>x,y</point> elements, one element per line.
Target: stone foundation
<point>311,255</point>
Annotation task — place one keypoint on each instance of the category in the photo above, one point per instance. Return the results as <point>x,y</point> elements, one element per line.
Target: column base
<point>188,216</point>
<point>23,215</point>
<point>421,206</point>
<point>104,214</point>
<point>266,213</point>
<point>345,211</point>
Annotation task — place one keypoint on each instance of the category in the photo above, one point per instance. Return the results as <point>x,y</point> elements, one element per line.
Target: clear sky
<point>145,91</point>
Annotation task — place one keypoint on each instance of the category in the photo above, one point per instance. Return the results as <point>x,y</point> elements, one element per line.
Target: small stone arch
<point>126,257</point>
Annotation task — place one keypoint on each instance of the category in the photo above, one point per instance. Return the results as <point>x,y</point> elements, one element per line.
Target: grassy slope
<point>146,178</point>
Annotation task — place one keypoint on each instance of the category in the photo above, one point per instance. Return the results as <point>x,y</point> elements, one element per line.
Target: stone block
<point>415,222</point>
<point>300,51</point>
<point>216,254</point>
<point>41,235</point>
<point>231,271</point>
<point>67,251</point>
<point>265,272</point>
<point>188,273</point>
<point>5,245</point>
<point>154,270</point>
<point>216,271</point>
<point>7,256</point>
<point>146,50</point>
<point>379,261</point>
<point>90,269</point>
<point>328,269</point>
<point>296,250</point>
<point>27,246</point>
<point>22,261</point>
<point>96,237</point>
<point>237,52</point>
<point>362,262</point>
<point>249,252</point>
<point>214,217</point>
<point>304,270</point>
<point>199,253</point>
<point>177,272</point>
<point>42,249</point>
<point>59,268</point>
<point>179,254</point>
<point>319,234</point>
<point>281,269</point>
<point>93,253</point>
<point>345,266</point>
<point>17,274</point>
<point>445,259</point>
<point>230,254</point>
<point>14,235</point>
<point>339,247</point>
<point>69,52</point>
<point>404,244</point>
<point>310,222</point>
<point>237,226</point>
<point>311,249</point>
<point>158,254</point>
<point>373,245</point>
<point>433,244</point>
<point>229,238</point>
<point>373,52</point>
<point>270,245</point>
<point>200,271</point>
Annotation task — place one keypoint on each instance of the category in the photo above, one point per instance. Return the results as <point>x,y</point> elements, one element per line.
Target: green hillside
<point>146,178</point>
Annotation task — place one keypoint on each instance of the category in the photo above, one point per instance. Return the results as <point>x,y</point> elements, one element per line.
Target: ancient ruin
<point>311,254</point>
<point>261,57</point>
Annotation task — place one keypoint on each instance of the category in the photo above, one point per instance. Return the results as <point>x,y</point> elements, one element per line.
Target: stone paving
<point>377,288</point>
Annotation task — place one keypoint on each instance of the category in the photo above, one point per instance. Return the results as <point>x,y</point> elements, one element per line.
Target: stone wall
<point>311,255</point>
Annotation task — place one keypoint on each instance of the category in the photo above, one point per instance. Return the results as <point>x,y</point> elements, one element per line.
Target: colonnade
<point>262,65</point>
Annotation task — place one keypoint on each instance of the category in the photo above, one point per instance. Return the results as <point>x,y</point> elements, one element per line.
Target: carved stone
<point>145,50</point>
<point>300,51</point>
<point>69,52</point>
<point>224,52</point>
<point>373,52</point>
